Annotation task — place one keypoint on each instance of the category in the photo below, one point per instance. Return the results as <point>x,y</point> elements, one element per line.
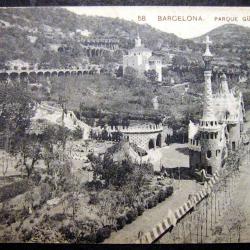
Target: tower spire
<point>223,85</point>
<point>208,111</point>
<point>138,39</point>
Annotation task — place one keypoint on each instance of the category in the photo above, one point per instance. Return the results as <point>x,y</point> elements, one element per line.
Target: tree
<point>30,152</point>
<point>77,133</point>
<point>130,74</point>
<point>119,72</point>
<point>73,198</point>
<point>151,74</point>
<point>59,175</point>
<point>16,107</point>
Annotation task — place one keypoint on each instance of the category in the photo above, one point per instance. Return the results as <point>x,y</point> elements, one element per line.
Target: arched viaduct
<point>19,73</point>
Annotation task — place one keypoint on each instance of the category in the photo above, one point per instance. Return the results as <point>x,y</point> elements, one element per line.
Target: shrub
<point>131,216</point>
<point>140,209</point>
<point>93,199</point>
<point>12,190</point>
<point>69,232</point>
<point>26,234</point>
<point>102,234</point>
<point>36,178</point>
<point>58,217</point>
<point>121,222</point>
<point>86,238</point>
<point>45,192</point>
<point>169,191</point>
<point>150,202</point>
<point>94,185</point>
<point>37,214</point>
<point>161,196</point>
<point>7,217</point>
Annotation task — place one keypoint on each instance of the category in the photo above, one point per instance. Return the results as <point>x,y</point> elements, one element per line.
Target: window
<point>211,123</point>
<point>209,169</point>
<point>212,135</point>
<point>233,145</point>
<point>209,154</point>
<point>217,152</point>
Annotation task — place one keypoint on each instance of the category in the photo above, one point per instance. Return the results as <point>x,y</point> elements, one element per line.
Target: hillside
<point>34,35</point>
<point>227,34</point>
<point>230,42</point>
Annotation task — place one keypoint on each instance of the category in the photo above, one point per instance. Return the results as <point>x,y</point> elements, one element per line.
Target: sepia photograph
<point>124,125</point>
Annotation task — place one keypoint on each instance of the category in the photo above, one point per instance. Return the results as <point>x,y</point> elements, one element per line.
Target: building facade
<point>221,127</point>
<point>141,59</point>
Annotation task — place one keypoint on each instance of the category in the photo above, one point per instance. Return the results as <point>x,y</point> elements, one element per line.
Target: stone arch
<point>151,144</point>
<point>39,74</point>
<point>159,140</point>
<point>4,76</point>
<point>88,52</point>
<point>14,75</point>
<point>54,73</point>
<point>79,73</point>
<point>92,52</point>
<point>24,74</point>
<point>67,73</point>
<point>60,73</point>
<point>47,74</point>
<point>73,73</point>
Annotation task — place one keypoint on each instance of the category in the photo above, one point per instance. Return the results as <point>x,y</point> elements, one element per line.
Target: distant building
<point>220,129</point>
<point>141,59</point>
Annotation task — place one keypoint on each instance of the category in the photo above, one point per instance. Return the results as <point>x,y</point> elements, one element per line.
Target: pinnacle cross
<point>207,42</point>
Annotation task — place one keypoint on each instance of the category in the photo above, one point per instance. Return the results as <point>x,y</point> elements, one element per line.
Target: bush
<point>121,222</point>
<point>58,217</point>
<point>26,234</point>
<point>131,216</point>
<point>45,192</point>
<point>140,209</point>
<point>69,232</point>
<point>36,178</point>
<point>7,217</point>
<point>12,190</point>
<point>153,201</point>
<point>169,191</point>
<point>93,199</point>
<point>94,185</point>
<point>86,238</point>
<point>161,196</point>
<point>102,234</point>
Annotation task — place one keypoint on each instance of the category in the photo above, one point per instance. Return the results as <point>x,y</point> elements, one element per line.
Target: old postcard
<point>124,125</point>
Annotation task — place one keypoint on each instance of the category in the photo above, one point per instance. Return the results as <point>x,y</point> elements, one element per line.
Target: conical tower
<point>224,86</point>
<point>208,118</point>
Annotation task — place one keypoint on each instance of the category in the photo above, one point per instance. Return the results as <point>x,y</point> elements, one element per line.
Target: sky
<point>207,18</point>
